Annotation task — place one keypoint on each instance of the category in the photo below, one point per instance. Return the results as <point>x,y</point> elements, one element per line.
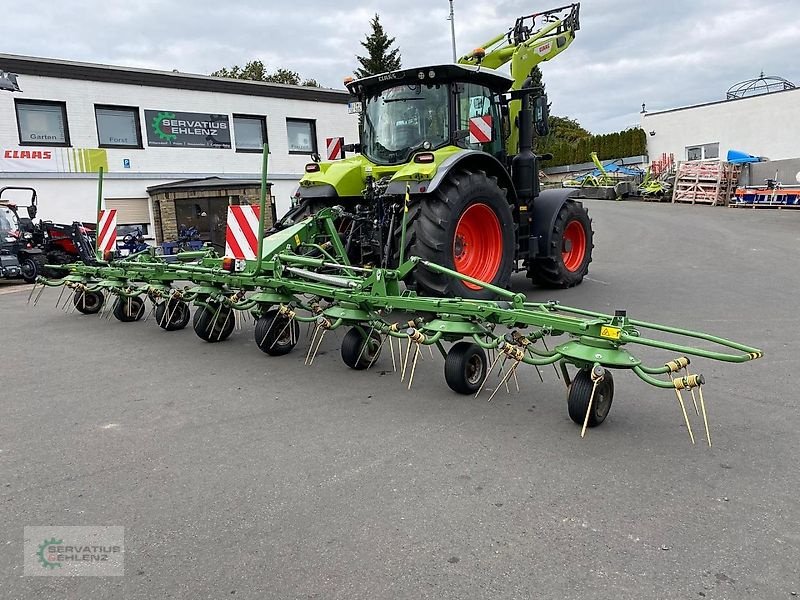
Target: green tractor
<point>445,170</point>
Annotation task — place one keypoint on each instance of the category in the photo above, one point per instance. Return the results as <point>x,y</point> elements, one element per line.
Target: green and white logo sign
<point>187,130</point>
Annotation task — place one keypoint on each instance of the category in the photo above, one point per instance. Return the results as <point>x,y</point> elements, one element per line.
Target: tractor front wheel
<point>32,266</point>
<point>570,249</point>
<point>465,225</point>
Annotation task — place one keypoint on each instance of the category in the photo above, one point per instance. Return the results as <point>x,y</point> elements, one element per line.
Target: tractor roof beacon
<point>452,145</point>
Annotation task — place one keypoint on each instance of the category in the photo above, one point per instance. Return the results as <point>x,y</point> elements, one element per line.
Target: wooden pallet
<point>705,182</point>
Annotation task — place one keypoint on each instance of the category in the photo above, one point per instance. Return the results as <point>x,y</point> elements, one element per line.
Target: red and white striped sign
<point>107,230</point>
<point>335,148</point>
<point>480,129</point>
<point>241,235</point>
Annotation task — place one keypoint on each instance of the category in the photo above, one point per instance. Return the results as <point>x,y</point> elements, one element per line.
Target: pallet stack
<point>705,182</point>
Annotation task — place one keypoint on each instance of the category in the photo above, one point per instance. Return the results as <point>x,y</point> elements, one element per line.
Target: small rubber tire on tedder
<point>580,391</point>
<point>88,303</point>
<point>358,350</point>
<point>570,251</point>
<point>274,334</point>
<point>465,367</point>
<point>213,323</point>
<point>129,310</point>
<point>172,314</point>
<point>466,225</point>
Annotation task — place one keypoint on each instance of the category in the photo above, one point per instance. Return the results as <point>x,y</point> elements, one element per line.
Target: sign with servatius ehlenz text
<point>187,130</point>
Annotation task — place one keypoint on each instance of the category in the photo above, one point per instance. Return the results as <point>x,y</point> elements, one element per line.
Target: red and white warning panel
<point>480,129</point>
<point>335,148</point>
<point>241,235</point>
<point>107,230</point>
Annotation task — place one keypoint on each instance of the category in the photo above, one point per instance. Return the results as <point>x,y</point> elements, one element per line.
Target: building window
<point>302,136</point>
<point>118,127</point>
<point>703,152</point>
<point>250,132</point>
<point>42,123</point>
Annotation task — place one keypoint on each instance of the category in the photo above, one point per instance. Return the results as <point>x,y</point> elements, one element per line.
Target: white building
<point>763,125</point>
<point>148,128</point>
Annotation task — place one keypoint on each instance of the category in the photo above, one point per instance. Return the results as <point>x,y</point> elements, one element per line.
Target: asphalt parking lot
<point>238,475</point>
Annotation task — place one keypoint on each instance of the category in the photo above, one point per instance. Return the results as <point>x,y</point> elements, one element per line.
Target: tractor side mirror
<point>32,210</point>
<point>541,116</point>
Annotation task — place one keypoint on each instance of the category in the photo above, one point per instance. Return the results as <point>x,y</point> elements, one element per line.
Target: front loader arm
<point>534,39</point>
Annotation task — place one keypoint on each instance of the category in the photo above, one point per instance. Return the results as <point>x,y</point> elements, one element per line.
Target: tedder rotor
<point>303,274</point>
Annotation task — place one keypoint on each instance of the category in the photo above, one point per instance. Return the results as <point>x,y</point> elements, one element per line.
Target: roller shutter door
<point>130,211</point>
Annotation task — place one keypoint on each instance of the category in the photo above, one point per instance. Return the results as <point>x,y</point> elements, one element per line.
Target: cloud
<point>666,54</point>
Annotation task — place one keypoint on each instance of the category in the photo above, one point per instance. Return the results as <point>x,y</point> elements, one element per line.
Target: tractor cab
<point>427,108</point>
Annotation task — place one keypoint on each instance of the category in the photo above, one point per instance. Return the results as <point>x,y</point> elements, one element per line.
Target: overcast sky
<point>665,53</point>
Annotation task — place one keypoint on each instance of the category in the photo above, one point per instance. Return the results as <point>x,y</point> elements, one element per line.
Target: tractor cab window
<point>8,220</point>
<point>402,119</point>
<point>478,118</point>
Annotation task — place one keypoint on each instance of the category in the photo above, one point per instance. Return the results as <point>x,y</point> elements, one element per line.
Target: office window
<point>302,136</point>
<point>42,123</point>
<point>118,127</point>
<point>250,132</point>
<point>703,152</point>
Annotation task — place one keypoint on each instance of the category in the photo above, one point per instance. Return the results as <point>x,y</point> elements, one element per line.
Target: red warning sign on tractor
<point>241,235</point>
<point>335,148</point>
<point>107,230</point>
<point>480,129</point>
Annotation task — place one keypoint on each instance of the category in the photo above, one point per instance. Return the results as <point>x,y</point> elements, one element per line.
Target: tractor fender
<point>543,213</point>
<point>31,251</point>
<point>472,160</point>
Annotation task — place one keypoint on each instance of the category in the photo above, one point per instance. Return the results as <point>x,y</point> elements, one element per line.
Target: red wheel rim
<point>478,244</point>
<point>574,248</point>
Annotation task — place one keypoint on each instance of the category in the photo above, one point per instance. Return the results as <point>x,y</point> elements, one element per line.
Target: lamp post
<point>453,31</point>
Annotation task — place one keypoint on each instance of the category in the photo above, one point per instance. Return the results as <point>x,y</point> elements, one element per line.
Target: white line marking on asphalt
<point>16,288</point>
<point>597,281</point>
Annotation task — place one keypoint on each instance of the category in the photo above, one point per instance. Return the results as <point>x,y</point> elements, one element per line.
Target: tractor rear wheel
<point>213,324</point>
<point>570,250</point>
<point>465,225</point>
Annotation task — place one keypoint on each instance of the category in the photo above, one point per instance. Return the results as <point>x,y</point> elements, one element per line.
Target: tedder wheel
<point>172,314</point>
<point>128,310</point>
<point>213,324</point>
<point>88,303</point>
<point>275,335</point>
<point>465,225</point>
<point>32,266</point>
<point>581,390</point>
<point>465,367</point>
<point>571,249</point>
<point>358,352</point>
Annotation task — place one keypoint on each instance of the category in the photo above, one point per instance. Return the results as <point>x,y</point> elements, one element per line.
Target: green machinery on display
<point>302,274</point>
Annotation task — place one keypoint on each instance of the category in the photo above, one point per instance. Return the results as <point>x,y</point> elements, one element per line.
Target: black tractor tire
<point>32,266</point>
<point>57,257</point>
<point>88,303</point>
<point>172,315</point>
<point>580,390</point>
<point>354,354</point>
<point>129,310</point>
<point>465,367</point>
<point>212,324</point>
<point>570,248</point>
<point>434,220</point>
<point>274,335</point>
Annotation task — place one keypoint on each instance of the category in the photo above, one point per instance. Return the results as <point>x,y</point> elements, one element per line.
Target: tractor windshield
<point>8,220</point>
<point>401,119</point>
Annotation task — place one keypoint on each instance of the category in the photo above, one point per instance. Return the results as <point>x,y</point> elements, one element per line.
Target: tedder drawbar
<point>302,274</point>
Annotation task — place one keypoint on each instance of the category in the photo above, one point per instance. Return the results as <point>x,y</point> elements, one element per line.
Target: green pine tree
<point>380,57</point>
